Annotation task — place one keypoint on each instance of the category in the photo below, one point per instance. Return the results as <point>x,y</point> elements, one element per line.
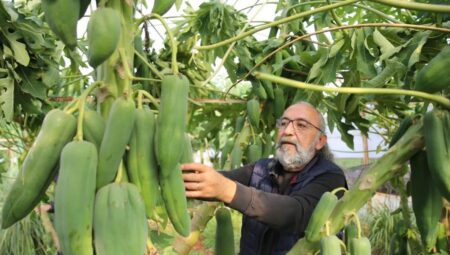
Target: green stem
<point>336,190</point>
<point>352,90</point>
<point>377,12</point>
<point>139,99</point>
<point>327,228</point>
<point>358,224</point>
<point>333,14</point>
<point>79,134</point>
<point>150,97</point>
<point>152,68</point>
<point>72,108</point>
<point>127,70</point>
<point>276,23</point>
<point>173,44</point>
<point>415,6</point>
<point>137,78</point>
<point>81,103</point>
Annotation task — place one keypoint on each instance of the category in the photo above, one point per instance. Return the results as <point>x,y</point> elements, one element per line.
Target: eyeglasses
<point>300,125</point>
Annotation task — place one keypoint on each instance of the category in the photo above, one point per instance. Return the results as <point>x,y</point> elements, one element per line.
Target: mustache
<point>287,141</point>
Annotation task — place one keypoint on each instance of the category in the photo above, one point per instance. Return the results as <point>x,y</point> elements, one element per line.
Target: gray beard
<point>295,162</point>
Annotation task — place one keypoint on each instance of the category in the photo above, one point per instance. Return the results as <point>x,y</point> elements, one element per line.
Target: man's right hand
<point>202,181</point>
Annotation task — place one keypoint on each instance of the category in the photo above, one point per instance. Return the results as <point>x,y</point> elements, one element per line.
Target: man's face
<point>298,137</point>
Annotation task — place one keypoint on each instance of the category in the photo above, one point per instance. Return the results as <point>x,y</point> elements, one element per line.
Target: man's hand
<point>202,181</point>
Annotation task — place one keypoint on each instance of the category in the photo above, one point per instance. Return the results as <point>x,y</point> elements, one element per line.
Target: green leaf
<point>330,69</point>
<point>19,50</point>
<point>315,70</point>
<point>364,60</point>
<point>386,47</point>
<point>412,49</point>
<point>30,84</point>
<point>336,47</point>
<point>7,97</point>
<point>393,67</point>
<point>346,137</point>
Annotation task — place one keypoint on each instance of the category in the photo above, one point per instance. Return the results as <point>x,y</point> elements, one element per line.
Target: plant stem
<point>379,13</point>
<point>276,23</point>
<point>173,44</point>
<point>139,99</point>
<point>416,6</point>
<point>152,68</point>
<point>358,224</point>
<point>150,97</point>
<point>202,215</point>
<point>81,103</point>
<point>352,90</point>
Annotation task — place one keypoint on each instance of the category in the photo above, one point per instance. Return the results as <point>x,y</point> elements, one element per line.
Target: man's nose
<point>289,130</point>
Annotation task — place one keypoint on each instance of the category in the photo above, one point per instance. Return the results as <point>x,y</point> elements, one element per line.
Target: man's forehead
<point>300,111</point>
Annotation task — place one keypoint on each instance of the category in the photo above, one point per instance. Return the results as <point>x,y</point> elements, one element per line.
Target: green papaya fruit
<point>38,168</point>
<point>103,34</point>
<point>74,198</point>
<point>120,225</point>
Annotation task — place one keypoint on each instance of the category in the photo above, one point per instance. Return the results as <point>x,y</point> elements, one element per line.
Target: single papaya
<point>162,6</point>
<point>434,76</point>
<point>426,200</point>
<point>438,154</point>
<point>330,245</point>
<point>117,133</point>
<point>39,166</point>
<point>142,165</point>
<point>120,225</point>
<point>320,215</point>
<point>253,112</point>
<point>279,102</point>
<point>174,197</point>
<point>254,151</point>
<point>62,18</point>
<point>360,246</point>
<point>171,122</point>
<point>404,125</point>
<point>224,244</point>
<point>74,198</point>
<point>227,148</point>
<point>350,232</point>
<point>93,127</point>
<point>103,34</point>
<point>236,155</point>
<point>188,154</point>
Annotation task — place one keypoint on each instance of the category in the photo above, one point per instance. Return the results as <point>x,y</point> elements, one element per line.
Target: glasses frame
<point>292,121</point>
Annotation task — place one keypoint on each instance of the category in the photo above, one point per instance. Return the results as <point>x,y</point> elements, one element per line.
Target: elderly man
<point>276,196</point>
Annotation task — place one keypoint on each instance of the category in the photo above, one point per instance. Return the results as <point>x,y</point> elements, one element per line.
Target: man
<point>276,196</point>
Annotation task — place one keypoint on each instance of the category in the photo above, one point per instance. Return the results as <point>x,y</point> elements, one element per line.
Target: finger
<point>193,194</point>
<point>191,186</point>
<point>194,167</point>
<point>191,177</point>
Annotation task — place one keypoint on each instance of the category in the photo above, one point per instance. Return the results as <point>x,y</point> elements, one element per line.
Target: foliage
<point>381,224</point>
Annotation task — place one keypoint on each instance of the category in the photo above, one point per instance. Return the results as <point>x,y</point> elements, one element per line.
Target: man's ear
<point>322,141</point>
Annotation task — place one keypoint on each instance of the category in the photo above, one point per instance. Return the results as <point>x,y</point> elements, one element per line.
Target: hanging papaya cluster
<point>430,168</point>
<point>111,166</point>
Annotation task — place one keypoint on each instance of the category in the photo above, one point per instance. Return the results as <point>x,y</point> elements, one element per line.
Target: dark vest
<point>253,232</point>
